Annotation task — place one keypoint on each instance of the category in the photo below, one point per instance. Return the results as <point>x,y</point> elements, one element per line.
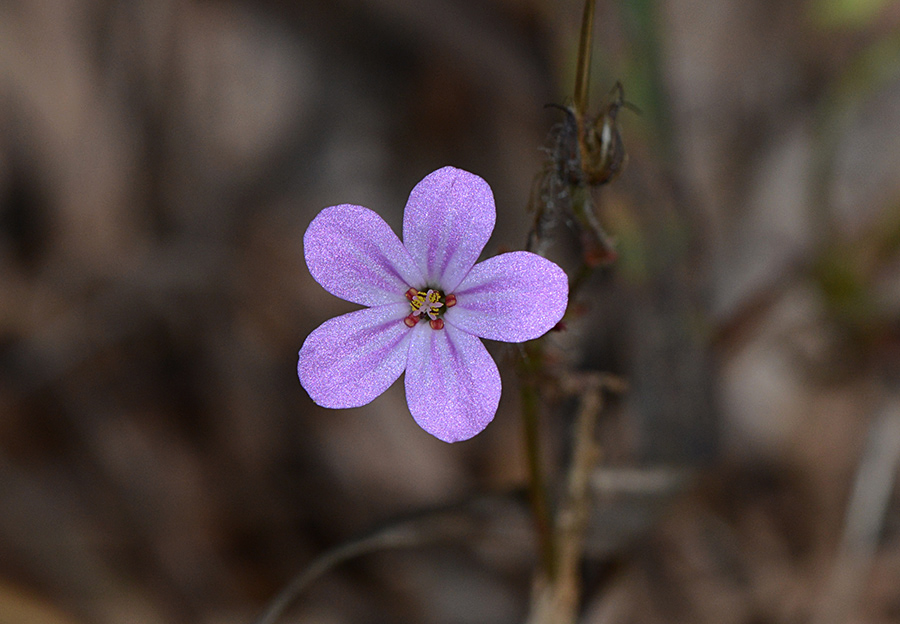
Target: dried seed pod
<point>604,154</point>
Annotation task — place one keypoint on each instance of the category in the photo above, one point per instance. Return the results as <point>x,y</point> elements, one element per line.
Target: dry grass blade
<point>866,514</point>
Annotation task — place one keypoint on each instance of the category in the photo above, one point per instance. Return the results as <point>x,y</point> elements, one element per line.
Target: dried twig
<point>556,600</point>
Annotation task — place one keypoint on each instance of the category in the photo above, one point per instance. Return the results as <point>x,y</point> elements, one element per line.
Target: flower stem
<point>583,68</point>
<point>537,489</point>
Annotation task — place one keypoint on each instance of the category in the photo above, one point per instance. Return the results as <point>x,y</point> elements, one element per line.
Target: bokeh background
<point>159,163</point>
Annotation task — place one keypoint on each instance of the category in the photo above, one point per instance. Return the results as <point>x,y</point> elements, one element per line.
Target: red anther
<point>450,301</point>
<point>411,320</point>
<point>437,324</point>
<point>412,292</point>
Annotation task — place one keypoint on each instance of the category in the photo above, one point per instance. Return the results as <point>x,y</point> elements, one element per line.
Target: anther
<point>429,304</point>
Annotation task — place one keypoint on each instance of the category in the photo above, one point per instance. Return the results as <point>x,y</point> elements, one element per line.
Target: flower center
<point>429,303</point>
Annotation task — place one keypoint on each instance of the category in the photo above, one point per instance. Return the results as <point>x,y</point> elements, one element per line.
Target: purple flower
<point>428,304</point>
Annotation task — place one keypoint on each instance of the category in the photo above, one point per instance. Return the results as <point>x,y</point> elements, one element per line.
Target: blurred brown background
<point>159,163</point>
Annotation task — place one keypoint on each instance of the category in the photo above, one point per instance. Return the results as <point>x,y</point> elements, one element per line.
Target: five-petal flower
<point>428,305</point>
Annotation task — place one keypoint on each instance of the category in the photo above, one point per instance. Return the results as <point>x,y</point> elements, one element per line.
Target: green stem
<point>537,489</point>
<point>583,69</point>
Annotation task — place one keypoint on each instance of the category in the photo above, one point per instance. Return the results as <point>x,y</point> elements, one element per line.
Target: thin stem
<point>394,538</point>
<point>572,518</point>
<point>557,601</point>
<point>537,489</point>
<point>452,523</point>
<point>597,247</point>
<point>583,69</point>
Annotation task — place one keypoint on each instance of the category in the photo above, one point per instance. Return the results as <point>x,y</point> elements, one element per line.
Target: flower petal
<point>448,220</point>
<point>356,256</point>
<point>512,297</point>
<point>351,359</point>
<point>452,383</point>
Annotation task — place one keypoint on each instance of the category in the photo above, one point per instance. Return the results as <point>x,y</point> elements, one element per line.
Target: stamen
<point>417,301</point>
<point>434,303</point>
<point>431,304</point>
